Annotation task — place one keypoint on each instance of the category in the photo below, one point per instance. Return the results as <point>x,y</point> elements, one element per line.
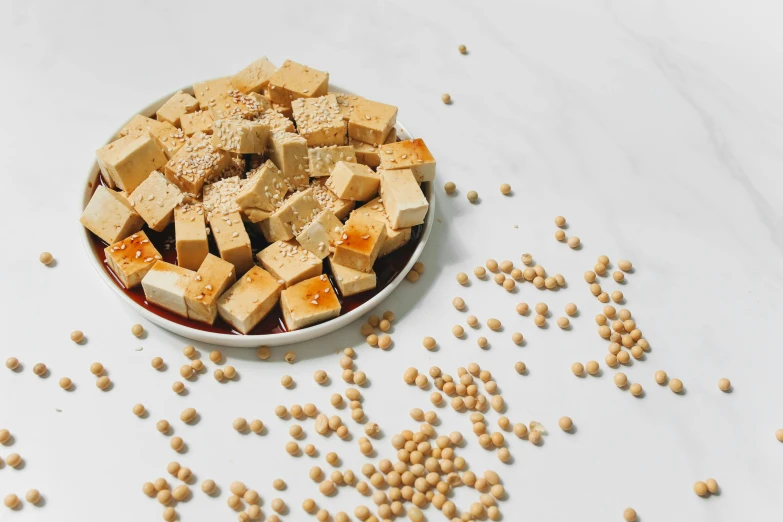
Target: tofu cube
<point>165,284</point>
<point>190,231</point>
<point>309,302</point>
<point>289,263</point>
<point>129,160</point>
<point>262,193</point>
<point>220,197</point>
<point>232,241</point>
<point>251,298</point>
<point>276,123</point>
<point>346,102</point>
<point>395,238</point>
<point>353,181</point>
<point>199,121</point>
<point>323,159</point>
<point>131,258</point>
<point>169,138</point>
<point>211,91</point>
<point>198,161</point>
<point>110,216</point>
<point>319,121</point>
<point>402,198</point>
<point>291,217</point>
<point>238,106</point>
<point>293,81</point>
<point>366,154</point>
<point>255,77</point>
<point>288,151</point>
<point>214,276</point>
<point>350,281</point>
<point>284,111</point>
<point>155,200</point>
<point>371,121</point>
<point>175,107</point>
<point>321,234</point>
<point>361,242</point>
<point>240,136</point>
<point>409,154</point>
<point>327,199</point>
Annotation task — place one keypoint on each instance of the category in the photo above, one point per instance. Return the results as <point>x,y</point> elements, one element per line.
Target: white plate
<point>250,340</point>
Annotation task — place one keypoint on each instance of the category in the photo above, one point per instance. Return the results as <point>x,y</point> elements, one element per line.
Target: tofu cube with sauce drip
<point>409,154</point>
<point>361,242</point>
<point>131,258</point>
<point>250,299</point>
<point>309,302</point>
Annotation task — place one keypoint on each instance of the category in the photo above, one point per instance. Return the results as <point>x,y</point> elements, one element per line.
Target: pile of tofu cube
<point>319,174</point>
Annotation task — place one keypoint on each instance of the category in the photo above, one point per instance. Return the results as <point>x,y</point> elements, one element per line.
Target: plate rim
<point>236,340</point>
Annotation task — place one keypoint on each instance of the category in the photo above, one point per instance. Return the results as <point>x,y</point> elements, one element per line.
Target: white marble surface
<point>654,127</point>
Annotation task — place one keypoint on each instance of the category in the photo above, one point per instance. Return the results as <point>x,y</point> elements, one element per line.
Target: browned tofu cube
<point>371,121</point>
<point>293,81</point>
<point>361,243</point>
<point>213,277</point>
<point>319,121</point>
<point>131,258</point>
<point>309,302</point>
<point>190,230</point>
<point>251,298</point>
<point>232,241</point>
<point>395,238</point>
